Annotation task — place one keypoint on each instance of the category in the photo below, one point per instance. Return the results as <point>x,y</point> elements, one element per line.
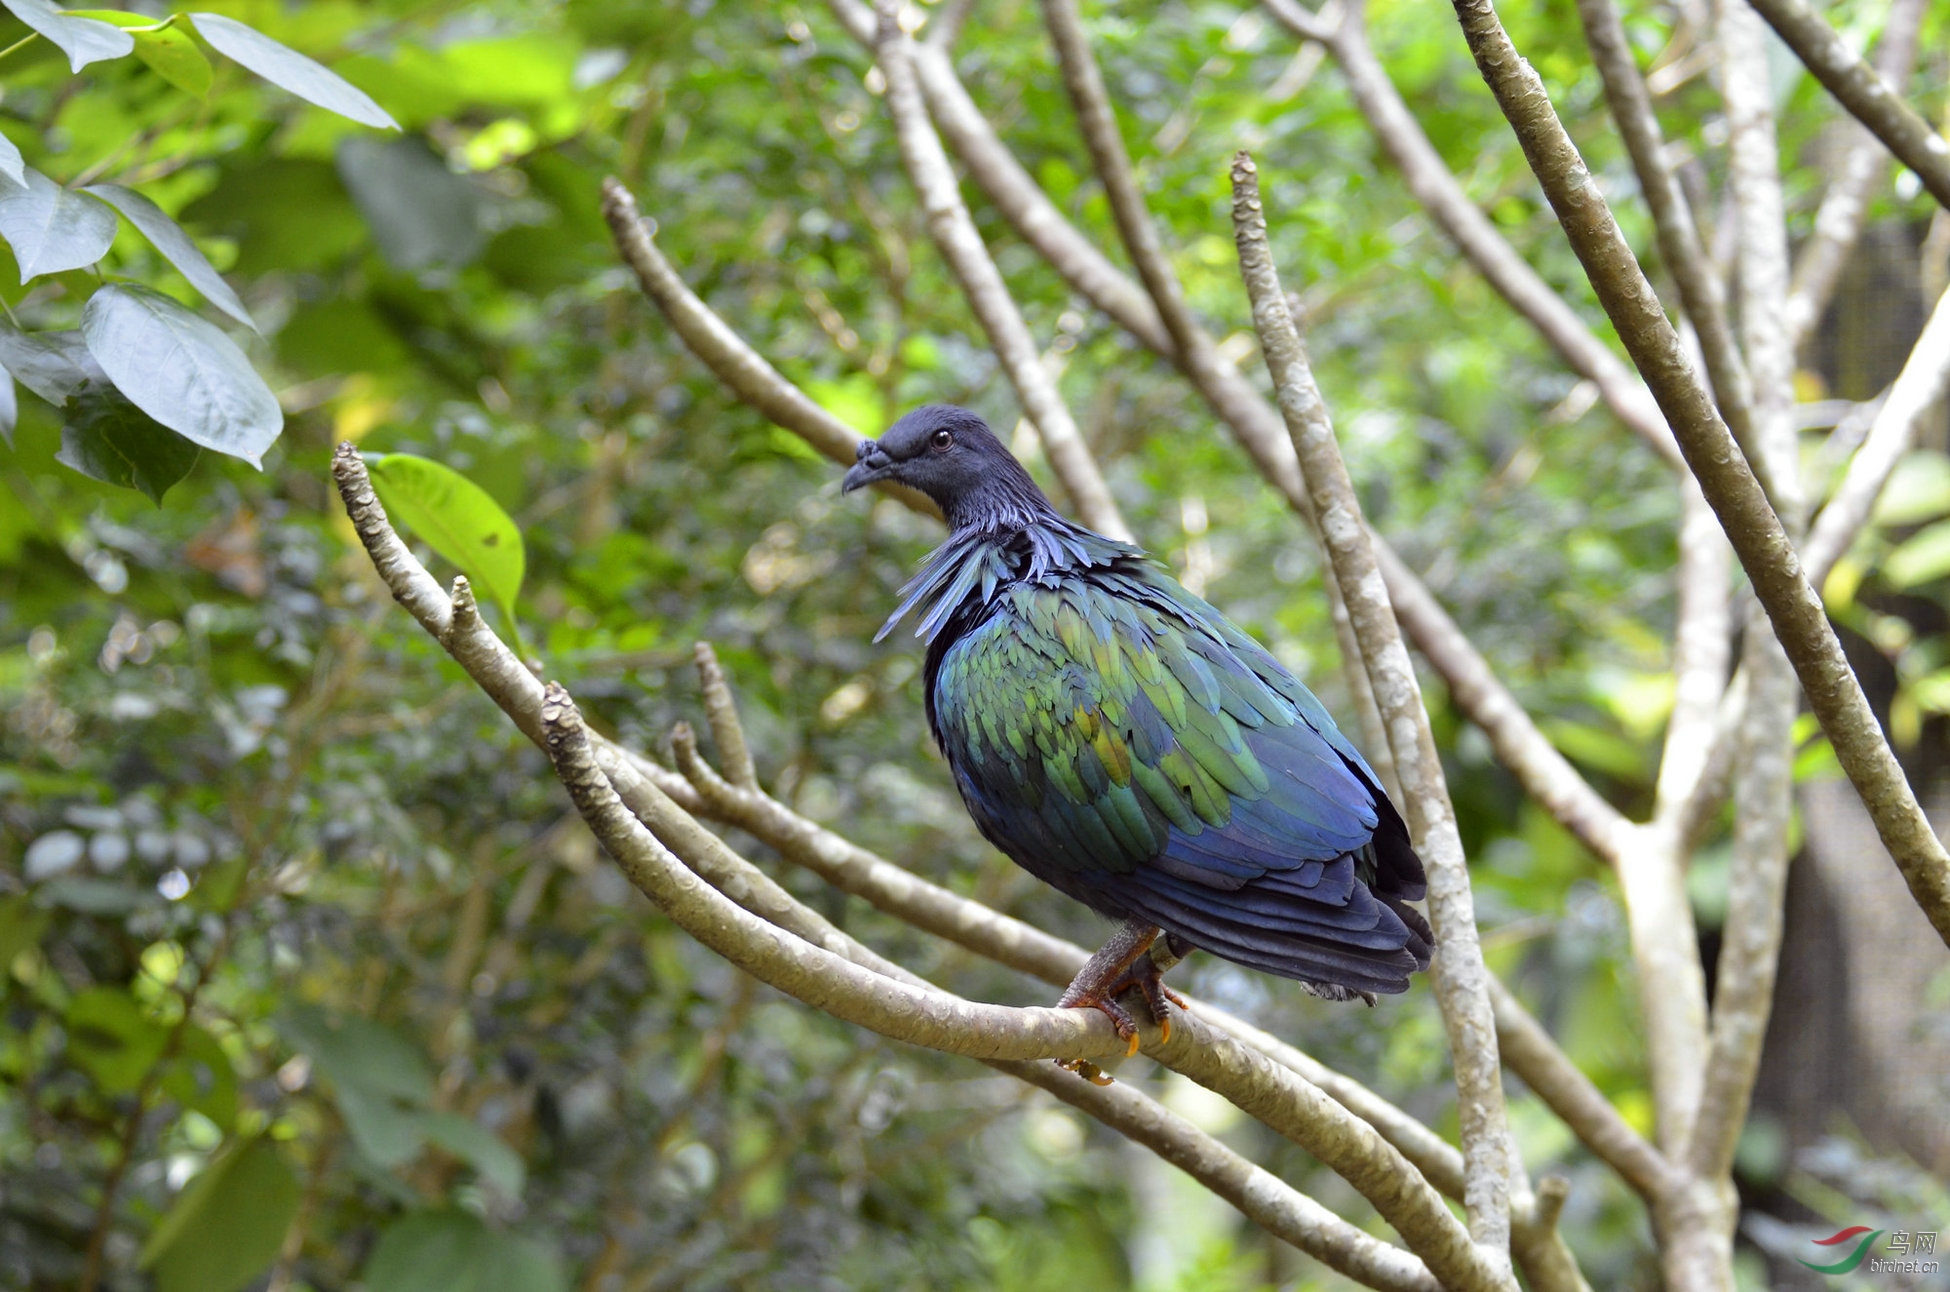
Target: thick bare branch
<point>1757,887</point>
<point>1442,196</point>
<point>1858,87</point>
<point>961,246</point>
<point>1755,531</point>
<point>1460,978</point>
<point>1863,162</point>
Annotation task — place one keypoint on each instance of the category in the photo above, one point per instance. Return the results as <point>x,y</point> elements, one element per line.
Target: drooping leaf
<point>50,228</point>
<point>54,365</point>
<point>9,409</point>
<point>229,1224</point>
<point>168,237</point>
<point>165,46</point>
<point>107,438</point>
<point>12,165</point>
<point>359,1052</point>
<point>420,212</point>
<point>480,1148</point>
<point>111,1039</point>
<point>182,371</point>
<point>286,67</point>
<point>458,519</point>
<point>83,40</point>
<point>455,1251</point>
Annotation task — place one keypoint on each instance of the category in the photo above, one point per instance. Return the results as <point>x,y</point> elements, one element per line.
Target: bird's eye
<point>942,441</point>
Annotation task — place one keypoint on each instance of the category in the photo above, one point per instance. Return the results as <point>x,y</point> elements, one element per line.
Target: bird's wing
<point>1100,726</point>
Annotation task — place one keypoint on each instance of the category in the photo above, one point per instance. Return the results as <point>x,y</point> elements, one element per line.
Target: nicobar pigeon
<point>1125,742</point>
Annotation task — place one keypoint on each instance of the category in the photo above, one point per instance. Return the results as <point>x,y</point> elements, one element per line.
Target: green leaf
<point>457,519</point>
<point>107,438</point>
<point>286,67</point>
<point>480,1148</point>
<point>388,1132</point>
<point>12,165</point>
<point>168,237</point>
<point>21,926</point>
<point>83,40</point>
<point>229,1224</point>
<point>1918,490</point>
<point>112,1040</point>
<point>358,1053</point>
<point>9,408</point>
<point>1922,557</point>
<point>199,1076</point>
<point>455,1251</point>
<point>50,228</point>
<point>420,213</point>
<point>54,365</point>
<point>169,50</point>
<point>182,371</point>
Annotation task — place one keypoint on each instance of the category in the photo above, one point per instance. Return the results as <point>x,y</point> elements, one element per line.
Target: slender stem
<point>1460,977</point>
<point>1857,87</point>
<point>960,244</point>
<point>1838,221</point>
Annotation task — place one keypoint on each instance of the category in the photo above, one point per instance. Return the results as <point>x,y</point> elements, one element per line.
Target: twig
<point>1756,533</point>
<point>1838,220</point>
<point>961,246</point>
<point>1672,217</point>
<point>1857,87</point>
<point>1432,183</point>
<point>1544,773</point>
<point>1532,1055</point>
<point>1191,346</point>
<point>1925,375</point>
<point>722,713</point>
<point>1700,649</point>
<point>1460,978</point>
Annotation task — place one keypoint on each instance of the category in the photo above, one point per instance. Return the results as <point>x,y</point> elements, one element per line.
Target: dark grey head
<point>952,456</point>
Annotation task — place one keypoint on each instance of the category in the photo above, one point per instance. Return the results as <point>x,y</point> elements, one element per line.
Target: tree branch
<point>1857,87</point>
<point>1544,773</point>
<point>1441,195</point>
<point>1702,632</point>
<point>961,246</point>
<point>1838,220</point>
<point>1755,531</point>
<point>1460,978</point>
<point>1925,376</point>
<point>1672,217</point>
<point>1532,1055</point>
<point>1189,345</point>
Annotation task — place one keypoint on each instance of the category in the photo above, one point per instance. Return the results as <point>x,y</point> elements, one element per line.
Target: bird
<point>1126,743</point>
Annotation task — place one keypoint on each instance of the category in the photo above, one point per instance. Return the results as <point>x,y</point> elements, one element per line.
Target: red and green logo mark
<point>1854,1258</point>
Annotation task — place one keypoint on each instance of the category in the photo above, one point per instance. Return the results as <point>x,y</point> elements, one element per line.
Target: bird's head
<point>952,456</point>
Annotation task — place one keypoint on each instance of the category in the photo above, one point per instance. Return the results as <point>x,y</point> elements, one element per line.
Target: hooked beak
<point>872,465</point>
